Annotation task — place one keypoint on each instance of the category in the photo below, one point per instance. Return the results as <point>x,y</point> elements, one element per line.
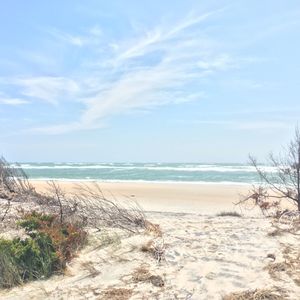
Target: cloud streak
<point>13,101</point>
<point>49,89</point>
<point>163,66</point>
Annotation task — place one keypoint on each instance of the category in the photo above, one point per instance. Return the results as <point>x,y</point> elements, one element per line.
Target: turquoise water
<point>147,172</point>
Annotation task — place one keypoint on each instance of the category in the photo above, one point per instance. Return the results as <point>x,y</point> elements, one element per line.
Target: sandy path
<point>205,258</point>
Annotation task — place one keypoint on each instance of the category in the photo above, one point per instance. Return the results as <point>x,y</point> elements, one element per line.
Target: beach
<point>205,255</point>
<point>167,197</point>
<point>150,150</point>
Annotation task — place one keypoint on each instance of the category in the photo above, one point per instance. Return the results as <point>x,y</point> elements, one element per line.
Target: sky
<point>148,81</point>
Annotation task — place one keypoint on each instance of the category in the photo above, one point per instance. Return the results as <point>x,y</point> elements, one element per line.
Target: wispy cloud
<point>13,101</point>
<point>66,37</point>
<point>158,36</point>
<point>162,66</point>
<point>247,124</point>
<point>91,37</point>
<point>46,88</point>
<point>258,125</point>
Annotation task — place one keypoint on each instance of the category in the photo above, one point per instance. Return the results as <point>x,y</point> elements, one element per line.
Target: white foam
<point>192,168</point>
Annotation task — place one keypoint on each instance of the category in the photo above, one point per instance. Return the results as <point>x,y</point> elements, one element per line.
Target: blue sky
<point>166,81</point>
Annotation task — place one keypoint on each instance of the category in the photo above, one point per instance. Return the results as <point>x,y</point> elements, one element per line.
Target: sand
<point>205,256</point>
<point>170,197</point>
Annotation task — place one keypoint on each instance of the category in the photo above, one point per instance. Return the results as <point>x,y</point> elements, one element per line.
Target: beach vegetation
<point>281,187</point>
<point>141,274</point>
<point>273,293</point>
<point>45,249</point>
<point>229,214</point>
<point>52,226</point>
<point>116,294</point>
<point>90,268</point>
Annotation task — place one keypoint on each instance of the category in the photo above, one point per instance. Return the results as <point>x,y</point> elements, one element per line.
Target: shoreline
<point>229,183</point>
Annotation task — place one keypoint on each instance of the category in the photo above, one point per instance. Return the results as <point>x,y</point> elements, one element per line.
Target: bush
<point>23,260</point>
<point>66,238</point>
<point>9,271</point>
<point>47,249</point>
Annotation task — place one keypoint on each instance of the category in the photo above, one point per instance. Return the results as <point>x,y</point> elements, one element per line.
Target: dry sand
<point>206,256</point>
<point>170,197</point>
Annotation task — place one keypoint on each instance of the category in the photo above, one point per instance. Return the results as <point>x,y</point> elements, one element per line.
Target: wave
<point>148,167</point>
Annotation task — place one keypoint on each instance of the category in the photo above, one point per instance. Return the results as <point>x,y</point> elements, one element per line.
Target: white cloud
<point>91,37</point>
<point>47,88</point>
<point>13,101</point>
<point>221,62</point>
<point>67,38</point>
<point>96,31</point>
<point>157,36</point>
<point>258,125</point>
<point>248,124</point>
<point>179,62</point>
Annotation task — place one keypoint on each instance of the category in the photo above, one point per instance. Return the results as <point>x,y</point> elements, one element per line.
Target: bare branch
<point>283,183</point>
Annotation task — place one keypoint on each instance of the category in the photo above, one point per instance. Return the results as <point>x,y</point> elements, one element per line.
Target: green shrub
<point>36,257</point>
<point>46,250</point>
<point>66,238</point>
<point>28,259</point>
<point>35,221</point>
<point>9,270</point>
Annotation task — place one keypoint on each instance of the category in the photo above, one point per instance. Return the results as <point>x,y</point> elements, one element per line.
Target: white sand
<point>170,197</point>
<point>206,257</point>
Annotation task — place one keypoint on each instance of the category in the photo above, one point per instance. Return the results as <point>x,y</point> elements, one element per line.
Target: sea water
<point>145,172</point>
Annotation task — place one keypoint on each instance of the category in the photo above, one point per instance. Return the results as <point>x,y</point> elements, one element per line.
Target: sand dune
<point>205,256</point>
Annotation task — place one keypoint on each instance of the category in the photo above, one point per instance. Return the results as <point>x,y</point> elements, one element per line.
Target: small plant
<point>117,294</point>
<point>229,214</point>
<point>258,294</point>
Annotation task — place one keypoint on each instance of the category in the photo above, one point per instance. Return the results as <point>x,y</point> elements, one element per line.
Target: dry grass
<point>258,294</point>
<point>148,247</point>
<point>109,239</point>
<point>292,261</point>
<point>276,232</point>
<point>156,248</point>
<point>87,205</point>
<point>290,265</point>
<point>141,274</point>
<point>116,294</point>
<point>229,214</point>
<point>153,229</point>
<point>101,211</point>
<point>275,268</point>
<point>88,266</point>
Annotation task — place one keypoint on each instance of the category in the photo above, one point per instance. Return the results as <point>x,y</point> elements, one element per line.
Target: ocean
<point>144,172</point>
